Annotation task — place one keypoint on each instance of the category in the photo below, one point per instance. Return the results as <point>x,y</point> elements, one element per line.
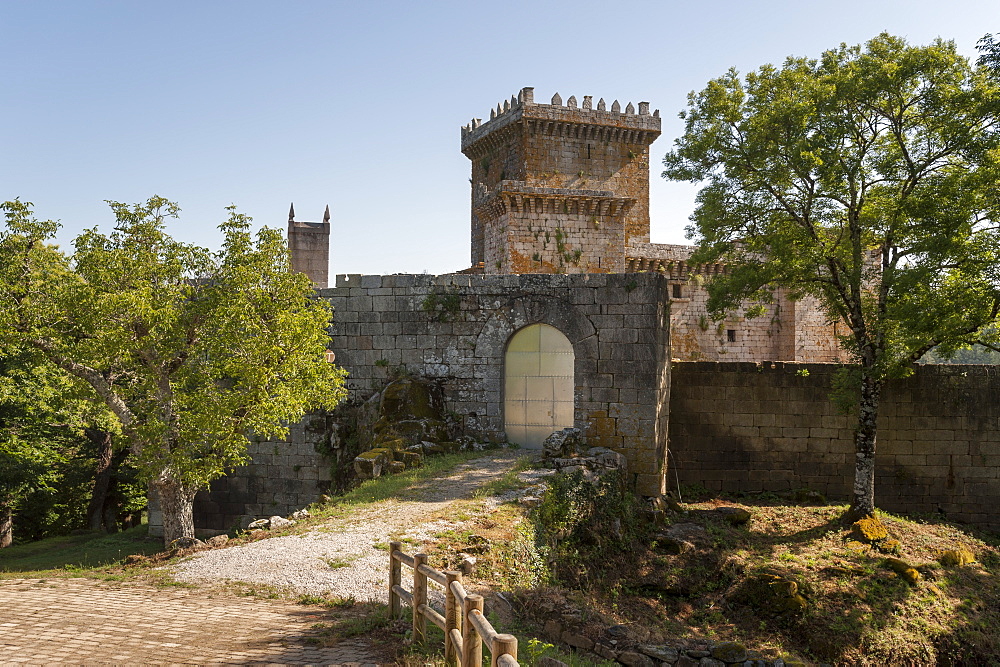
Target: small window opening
<point>731,335</point>
<point>588,151</point>
<point>677,291</point>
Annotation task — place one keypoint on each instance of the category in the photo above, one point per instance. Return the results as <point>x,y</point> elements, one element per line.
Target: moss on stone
<point>869,530</point>
<point>407,398</point>
<point>904,570</point>
<point>889,546</point>
<point>775,593</point>
<point>390,443</point>
<point>375,454</point>
<point>729,652</point>
<point>956,557</point>
<point>738,516</point>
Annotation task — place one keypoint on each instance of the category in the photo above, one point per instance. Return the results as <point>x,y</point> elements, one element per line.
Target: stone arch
<point>538,384</point>
<point>520,312</point>
<point>515,314</point>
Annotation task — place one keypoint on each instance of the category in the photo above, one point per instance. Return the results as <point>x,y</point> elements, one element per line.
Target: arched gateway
<point>538,384</point>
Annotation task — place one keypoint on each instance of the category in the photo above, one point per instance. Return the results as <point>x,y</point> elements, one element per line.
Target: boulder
<point>467,564</point>
<point>661,653</point>
<point>607,458</point>
<point>869,530</point>
<point>737,516</point>
<point>411,459</point>
<point>634,659</point>
<point>619,631</point>
<point>562,444</point>
<point>577,640</point>
<point>217,540</point>
<point>906,571</point>
<point>956,557</point>
<point>186,543</point>
<point>279,522</point>
<point>373,463</point>
<point>682,537</point>
<point>774,592</point>
<point>729,652</point>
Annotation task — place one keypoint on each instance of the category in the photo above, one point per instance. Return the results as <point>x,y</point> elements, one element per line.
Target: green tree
<point>38,438</point>
<point>191,350</point>
<point>989,54</point>
<point>866,178</point>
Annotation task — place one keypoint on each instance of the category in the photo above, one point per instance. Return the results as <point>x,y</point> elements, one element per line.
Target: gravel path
<point>340,558</point>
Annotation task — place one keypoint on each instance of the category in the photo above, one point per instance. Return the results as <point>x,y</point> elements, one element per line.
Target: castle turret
<point>309,246</point>
<point>559,188</point>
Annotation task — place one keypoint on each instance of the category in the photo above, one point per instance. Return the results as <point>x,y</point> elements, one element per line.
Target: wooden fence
<point>465,628</point>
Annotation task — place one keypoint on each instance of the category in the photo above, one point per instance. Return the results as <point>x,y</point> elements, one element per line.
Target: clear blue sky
<point>358,105</point>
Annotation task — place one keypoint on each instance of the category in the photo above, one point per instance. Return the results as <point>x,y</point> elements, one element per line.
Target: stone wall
<point>742,427</point>
<point>283,476</point>
<point>789,330</point>
<point>456,327</point>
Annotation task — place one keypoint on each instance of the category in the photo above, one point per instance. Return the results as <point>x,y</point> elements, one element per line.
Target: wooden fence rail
<point>465,628</point>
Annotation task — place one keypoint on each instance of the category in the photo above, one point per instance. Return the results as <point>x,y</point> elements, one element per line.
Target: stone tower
<point>309,246</point>
<point>559,188</point>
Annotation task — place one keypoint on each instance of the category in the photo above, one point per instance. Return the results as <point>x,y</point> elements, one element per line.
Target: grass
<point>858,609</point>
<point>354,619</point>
<point>509,482</point>
<point>395,486</point>
<point>75,555</point>
<point>338,563</point>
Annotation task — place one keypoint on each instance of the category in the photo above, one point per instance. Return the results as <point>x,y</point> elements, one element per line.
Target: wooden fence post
<point>395,579</point>
<point>503,645</point>
<point>472,645</point>
<point>419,598</point>
<point>451,618</point>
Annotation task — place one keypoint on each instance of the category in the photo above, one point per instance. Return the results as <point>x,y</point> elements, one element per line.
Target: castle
<point>570,316</point>
<point>564,189</point>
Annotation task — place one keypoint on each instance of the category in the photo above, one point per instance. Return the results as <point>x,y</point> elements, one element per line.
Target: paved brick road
<point>87,621</point>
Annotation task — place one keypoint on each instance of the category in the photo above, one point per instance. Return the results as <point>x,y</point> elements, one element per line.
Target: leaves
<point>191,349</point>
<point>865,178</point>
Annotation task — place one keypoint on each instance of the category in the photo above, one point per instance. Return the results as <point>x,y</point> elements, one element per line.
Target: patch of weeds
<point>442,305</point>
<point>338,563</point>
<point>335,602</point>
<point>359,618</point>
<point>584,525</point>
<point>400,485</point>
<point>260,591</point>
<point>509,482</point>
<point>81,555</point>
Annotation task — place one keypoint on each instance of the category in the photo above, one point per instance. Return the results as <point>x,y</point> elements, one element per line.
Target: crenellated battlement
<point>559,187</point>
<point>523,107</point>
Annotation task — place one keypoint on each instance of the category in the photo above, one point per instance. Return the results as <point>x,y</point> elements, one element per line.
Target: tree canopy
<point>865,178</point>
<point>191,350</point>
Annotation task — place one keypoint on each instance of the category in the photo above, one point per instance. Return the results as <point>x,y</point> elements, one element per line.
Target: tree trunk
<point>177,507</point>
<point>863,502</point>
<point>111,517</point>
<point>102,477</point>
<point>6,526</point>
